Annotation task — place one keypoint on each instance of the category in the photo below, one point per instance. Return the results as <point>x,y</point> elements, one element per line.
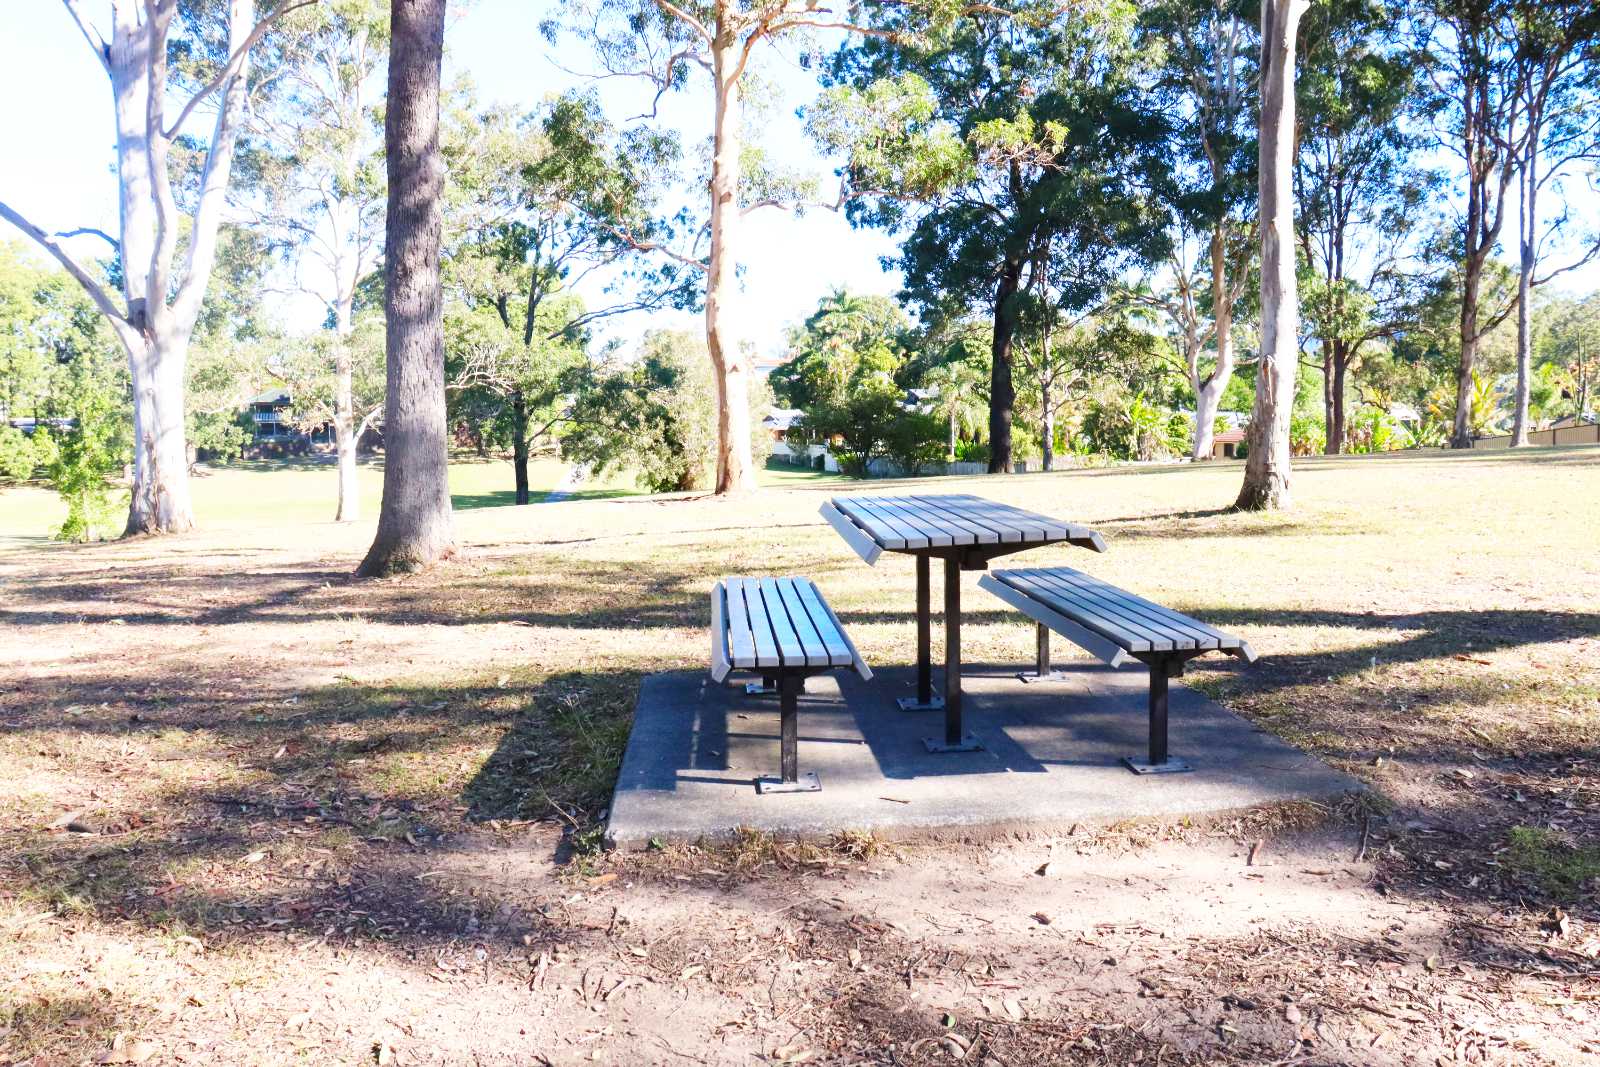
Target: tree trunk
<point>1002,394</point>
<point>414,527</point>
<point>1266,476</point>
<point>1208,390</point>
<point>1461,430</point>
<point>730,368</point>
<point>519,444</point>
<point>950,452</point>
<point>344,405</point>
<point>1527,219</point>
<point>1047,419</point>
<point>160,501</point>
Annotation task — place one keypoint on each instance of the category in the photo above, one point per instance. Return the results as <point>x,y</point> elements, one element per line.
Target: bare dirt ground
<point>254,812</point>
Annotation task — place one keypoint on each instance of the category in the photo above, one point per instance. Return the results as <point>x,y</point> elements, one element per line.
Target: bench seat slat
<point>1129,621</point>
<point>816,652</point>
<point>814,602</point>
<point>838,646</point>
<point>790,650</point>
<point>1086,614</point>
<point>1204,636</point>
<point>741,642</point>
<point>1162,637</point>
<point>756,615</point>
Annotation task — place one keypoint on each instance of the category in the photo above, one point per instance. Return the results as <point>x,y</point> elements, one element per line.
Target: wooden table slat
<point>910,531</point>
<point>760,628</point>
<point>937,534</point>
<point>959,530</point>
<point>880,531</point>
<point>1028,526</point>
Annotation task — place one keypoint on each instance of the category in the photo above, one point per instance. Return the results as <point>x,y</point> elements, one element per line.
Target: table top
<point>918,523</point>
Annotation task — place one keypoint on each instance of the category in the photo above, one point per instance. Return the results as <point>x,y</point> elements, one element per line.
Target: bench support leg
<point>1043,671</point>
<point>955,738</point>
<point>791,781</point>
<point>924,700</point>
<point>1160,761</point>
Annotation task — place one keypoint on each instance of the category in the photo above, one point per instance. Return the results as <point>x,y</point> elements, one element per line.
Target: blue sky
<point>56,129</point>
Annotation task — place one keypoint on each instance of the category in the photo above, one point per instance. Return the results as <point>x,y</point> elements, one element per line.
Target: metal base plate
<point>913,704</point>
<point>1139,766</point>
<point>807,783</point>
<point>756,689</point>
<point>1035,676</point>
<point>969,743</point>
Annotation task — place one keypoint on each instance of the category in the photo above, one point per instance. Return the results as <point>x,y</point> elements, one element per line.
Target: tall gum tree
<point>1558,63</point>
<point>321,146</point>
<point>1266,472</point>
<point>1208,84</point>
<point>167,241</point>
<point>664,42</point>
<point>414,522</point>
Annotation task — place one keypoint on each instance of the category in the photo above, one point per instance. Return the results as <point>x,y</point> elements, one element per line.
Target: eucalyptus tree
<point>536,203</point>
<point>414,523</point>
<point>169,66</point>
<point>664,43</point>
<point>1266,470</point>
<point>1206,78</point>
<point>319,150</point>
<point>1558,79</point>
<point>1362,196</point>
<point>1472,93</point>
<point>1016,157</point>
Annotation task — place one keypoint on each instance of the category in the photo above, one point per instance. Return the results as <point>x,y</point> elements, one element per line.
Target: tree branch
<point>116,246</point>
<point>102,51</point>
<point>96,291</point>
<point>231,68</point>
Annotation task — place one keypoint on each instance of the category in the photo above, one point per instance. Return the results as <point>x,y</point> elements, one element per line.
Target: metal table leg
<point>954,740</point>
<point>924,700</point>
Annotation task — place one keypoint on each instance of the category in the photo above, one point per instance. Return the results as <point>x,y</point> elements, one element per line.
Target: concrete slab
<point>1051,758</point>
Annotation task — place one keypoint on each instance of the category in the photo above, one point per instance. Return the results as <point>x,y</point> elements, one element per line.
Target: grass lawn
<point>253,810</point>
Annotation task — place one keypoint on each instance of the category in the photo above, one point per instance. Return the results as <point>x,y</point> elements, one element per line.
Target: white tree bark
<point>735,461</point>
<point>1208,388</point>
<point>1266,480</point>
<point>161,297</point>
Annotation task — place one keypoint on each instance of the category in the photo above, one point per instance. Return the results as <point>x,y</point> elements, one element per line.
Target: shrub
<point>18,458</point>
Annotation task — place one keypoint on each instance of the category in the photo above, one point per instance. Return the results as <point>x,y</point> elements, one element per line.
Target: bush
<point>18,458</point>
<point>914,441</point>
<point>1307,436</point>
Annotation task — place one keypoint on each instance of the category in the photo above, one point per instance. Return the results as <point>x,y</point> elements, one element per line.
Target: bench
<point>1116,626</point>
<point>783,629</point>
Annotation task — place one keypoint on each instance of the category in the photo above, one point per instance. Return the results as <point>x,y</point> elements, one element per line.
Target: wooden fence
<point>1561,435</point>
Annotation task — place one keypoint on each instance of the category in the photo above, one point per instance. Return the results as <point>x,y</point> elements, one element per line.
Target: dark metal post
<point>924,633</point>
<point>1162,667</point>
<point>789,743</point>
<point>955,740</point>
<point>1044,649</point>
<point>924,700</point>
<point>1158,712</point>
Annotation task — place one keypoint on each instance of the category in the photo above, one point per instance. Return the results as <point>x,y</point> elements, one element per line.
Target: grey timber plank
<point>1203,635</point>
<point>1162,638</point>
<point>721,665</point>
<point>907,530</point>
<point>1095,644</point>
<point>961,531</point>
<point>876,528</point>
<point>810,640</point>
<point>860,542</point>
<point>930,532</point>
<point>1085,614</point>
<point>790,650</point>
<point>740,639</point>
<point>760,627</point>
<point>841,653</point>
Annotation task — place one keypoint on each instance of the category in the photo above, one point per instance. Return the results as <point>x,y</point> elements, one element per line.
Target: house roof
<point>271,396</point>
<point>783,418</point>
<point>1228,437</point>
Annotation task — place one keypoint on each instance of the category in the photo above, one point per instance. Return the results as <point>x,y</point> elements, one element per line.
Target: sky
<point>56,160</point>
<point>56,155</point>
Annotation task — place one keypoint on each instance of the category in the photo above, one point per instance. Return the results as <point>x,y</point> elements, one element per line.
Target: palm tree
<point>959,401</point>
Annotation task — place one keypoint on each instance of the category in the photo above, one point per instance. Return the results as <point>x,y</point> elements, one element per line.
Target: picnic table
<point>966,532</point>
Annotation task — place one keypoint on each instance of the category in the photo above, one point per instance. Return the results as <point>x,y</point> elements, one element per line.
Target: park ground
<point>255,812</point>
